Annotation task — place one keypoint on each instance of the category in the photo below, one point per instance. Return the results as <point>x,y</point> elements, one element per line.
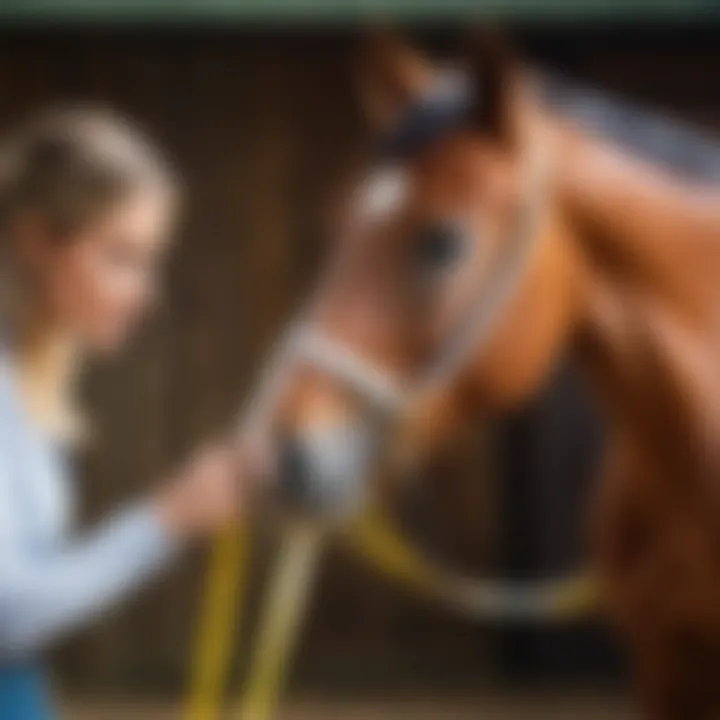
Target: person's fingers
<point>256,457</point>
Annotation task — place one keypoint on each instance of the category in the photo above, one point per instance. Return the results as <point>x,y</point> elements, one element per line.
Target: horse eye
<point>440,246</point>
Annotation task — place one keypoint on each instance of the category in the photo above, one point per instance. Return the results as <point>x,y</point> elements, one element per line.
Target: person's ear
<point>392,76</point>
<point>33,242</point>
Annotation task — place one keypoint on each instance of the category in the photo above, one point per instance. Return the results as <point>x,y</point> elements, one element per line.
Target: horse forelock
<point>445,108</point>
<point>640,130</point>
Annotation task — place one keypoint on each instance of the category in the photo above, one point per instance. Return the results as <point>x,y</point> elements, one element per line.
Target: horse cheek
<point>530,334</point>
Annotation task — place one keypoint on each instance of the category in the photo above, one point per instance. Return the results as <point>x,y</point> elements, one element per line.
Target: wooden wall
<point>259,125</point>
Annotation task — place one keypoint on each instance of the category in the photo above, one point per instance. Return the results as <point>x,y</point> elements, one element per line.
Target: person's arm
<point>45,596</point>
<point>42,597</point>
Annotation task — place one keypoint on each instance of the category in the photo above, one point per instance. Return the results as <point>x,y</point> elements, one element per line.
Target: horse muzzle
<point>324,471</point>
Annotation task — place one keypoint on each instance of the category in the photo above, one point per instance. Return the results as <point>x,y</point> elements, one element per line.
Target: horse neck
<point>649,259</point>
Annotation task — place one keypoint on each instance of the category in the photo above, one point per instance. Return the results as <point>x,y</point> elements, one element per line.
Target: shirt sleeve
<point>43,596</point>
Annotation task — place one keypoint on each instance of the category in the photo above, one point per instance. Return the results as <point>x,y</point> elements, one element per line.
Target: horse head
<point>450,288</point>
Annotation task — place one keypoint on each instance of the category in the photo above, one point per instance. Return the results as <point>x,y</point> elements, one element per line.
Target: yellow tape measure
<point>375,537</point>
<point>288,594</point>
<point>221,608</point>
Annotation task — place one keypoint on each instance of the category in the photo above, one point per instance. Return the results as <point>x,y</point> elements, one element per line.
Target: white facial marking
<point>382,192</point>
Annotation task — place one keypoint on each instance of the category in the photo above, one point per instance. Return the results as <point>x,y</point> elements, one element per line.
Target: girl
<point>86,206</point>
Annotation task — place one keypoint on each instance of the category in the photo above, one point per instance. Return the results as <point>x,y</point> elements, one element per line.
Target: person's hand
<point>208,493</point>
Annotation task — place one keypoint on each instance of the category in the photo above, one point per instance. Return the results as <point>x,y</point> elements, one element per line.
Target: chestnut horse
<point>492,235</point>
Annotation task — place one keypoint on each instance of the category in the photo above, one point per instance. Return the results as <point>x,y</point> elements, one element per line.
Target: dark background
<point>260,124</point>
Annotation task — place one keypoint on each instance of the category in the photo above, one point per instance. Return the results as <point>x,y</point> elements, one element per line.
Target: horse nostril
<point>294,473</point>
<point>322,471</point>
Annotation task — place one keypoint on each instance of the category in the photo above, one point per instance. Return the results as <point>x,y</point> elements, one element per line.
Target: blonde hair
<point>65,169</point>
<point>68,166</point>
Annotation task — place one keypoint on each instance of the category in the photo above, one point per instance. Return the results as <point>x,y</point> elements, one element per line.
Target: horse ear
<point>496,76</point>
<point>392,75</point>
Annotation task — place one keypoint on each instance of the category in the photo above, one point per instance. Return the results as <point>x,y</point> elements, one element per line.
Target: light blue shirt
<point>50,581</point>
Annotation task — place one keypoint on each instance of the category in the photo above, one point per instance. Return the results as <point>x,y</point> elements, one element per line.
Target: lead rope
<point>284,613</point>
<point>227,575</point>
<point>218,628</point>
<point>376,538</point>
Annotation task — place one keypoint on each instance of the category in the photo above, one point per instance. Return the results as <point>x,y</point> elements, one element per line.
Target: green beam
<point>43,11</point>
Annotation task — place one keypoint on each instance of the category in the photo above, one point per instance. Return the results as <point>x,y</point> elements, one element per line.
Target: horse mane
<point>668,142</point>
<point>650,135</point>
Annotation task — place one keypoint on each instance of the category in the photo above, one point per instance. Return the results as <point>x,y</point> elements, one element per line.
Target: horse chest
<point>659,551</point>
